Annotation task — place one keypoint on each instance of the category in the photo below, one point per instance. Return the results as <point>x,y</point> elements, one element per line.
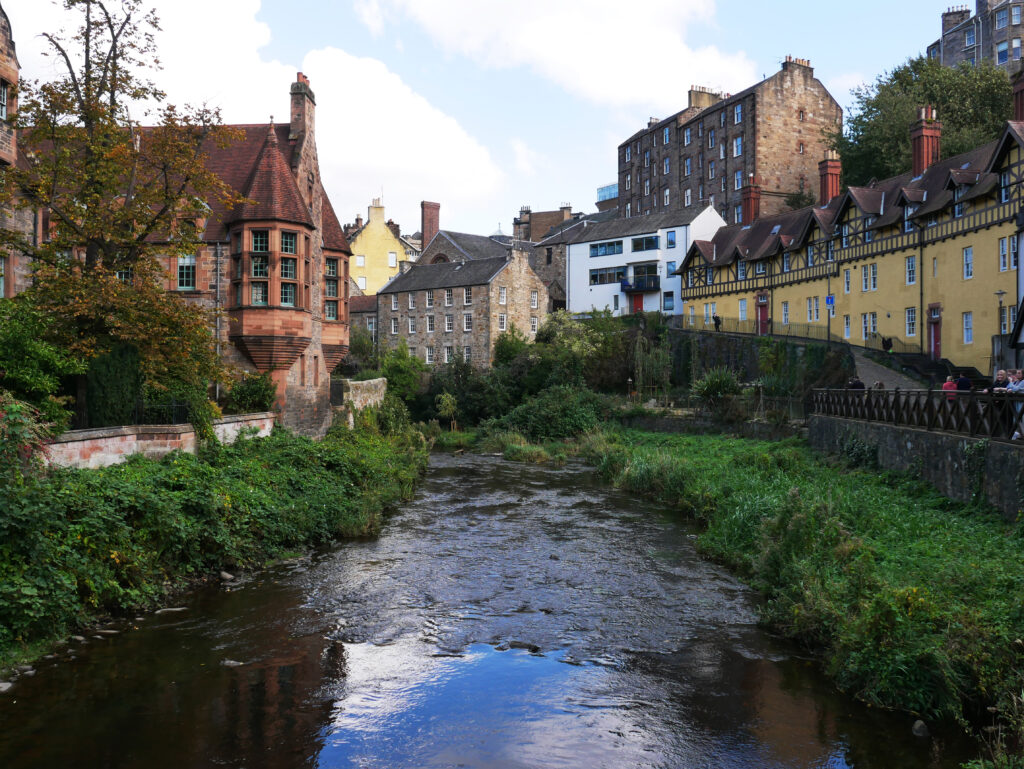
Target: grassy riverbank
<point>913,601</point>
<point>79,544</point>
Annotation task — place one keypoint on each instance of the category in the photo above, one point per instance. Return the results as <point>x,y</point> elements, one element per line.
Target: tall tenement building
<point>993,33</point>
<point>768,137</point>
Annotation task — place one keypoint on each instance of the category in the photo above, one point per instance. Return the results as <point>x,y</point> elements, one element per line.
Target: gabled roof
<point>749,243</point>
<point>474,272</point>
<point>634,225</point>
<point>559,233</point>
<point>334,236</point>
<point>474,246</point>
<point>270,190</point>
<point>366,303</point>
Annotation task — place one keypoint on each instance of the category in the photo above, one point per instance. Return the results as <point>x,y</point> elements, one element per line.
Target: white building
<point>626,265</point>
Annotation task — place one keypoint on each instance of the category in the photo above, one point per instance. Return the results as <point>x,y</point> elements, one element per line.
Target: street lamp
<point>999,358</point>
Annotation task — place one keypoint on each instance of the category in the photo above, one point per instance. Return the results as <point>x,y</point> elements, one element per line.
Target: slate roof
<point>474,246</point>
<point>419,277</point>
<point>559,233</point>
<point>634,225</point>
<point>362,303</point>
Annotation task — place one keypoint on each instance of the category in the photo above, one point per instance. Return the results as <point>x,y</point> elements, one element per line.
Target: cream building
<point>377,249</point>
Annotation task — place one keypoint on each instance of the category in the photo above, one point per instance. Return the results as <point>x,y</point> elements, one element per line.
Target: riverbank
<point>912,600</point>
<point>77,545</point>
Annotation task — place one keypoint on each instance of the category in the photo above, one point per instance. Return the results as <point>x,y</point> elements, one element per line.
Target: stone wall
<point>958,466</point>
<point>109,445</point>
<point>369,392</point>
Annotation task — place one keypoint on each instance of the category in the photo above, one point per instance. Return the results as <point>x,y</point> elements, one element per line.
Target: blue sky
<point>488,105</point>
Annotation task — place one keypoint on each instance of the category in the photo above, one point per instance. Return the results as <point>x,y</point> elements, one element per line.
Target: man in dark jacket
<point>963,383</point>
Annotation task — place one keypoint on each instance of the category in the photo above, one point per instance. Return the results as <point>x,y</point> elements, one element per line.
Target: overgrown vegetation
<point>75,544</point>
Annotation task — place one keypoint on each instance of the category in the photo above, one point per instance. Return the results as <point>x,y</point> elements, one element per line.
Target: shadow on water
<point>510,616</point>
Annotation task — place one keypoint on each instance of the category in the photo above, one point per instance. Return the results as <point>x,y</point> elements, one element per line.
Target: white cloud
<point>605,51</point>
<point>371,14</point>
<point>526,160</point>
<point>388,138</point>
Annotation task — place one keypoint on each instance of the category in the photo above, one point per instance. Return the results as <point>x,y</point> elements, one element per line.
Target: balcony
<point>641,284</point>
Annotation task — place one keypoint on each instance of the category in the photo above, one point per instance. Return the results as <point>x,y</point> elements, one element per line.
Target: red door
<point>935,332</point>
<point>762,319</point>
<point>638,303</point>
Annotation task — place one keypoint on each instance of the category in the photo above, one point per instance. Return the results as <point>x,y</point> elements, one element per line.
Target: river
<point>510,616</point>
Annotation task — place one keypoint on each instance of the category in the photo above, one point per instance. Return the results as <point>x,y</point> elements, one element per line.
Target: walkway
<point>870,372</point>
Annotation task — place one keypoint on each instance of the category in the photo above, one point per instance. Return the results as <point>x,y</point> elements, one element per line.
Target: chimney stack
<point>829,172</point>
<point>303,108</point>
<point>925,139</point>
<point>430,221</point>
<point>751,200</point>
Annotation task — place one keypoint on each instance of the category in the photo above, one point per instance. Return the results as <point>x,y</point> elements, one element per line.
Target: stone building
<point>992,33</point>
<point>770,133</point>
<point>451,246</point>
<point>926,262</point>
<point>450,309</point>
<point>275,265</point>
<point>362,311</point>
<point>378,249</point>
<point>549,257</point>
<point>534,225</point>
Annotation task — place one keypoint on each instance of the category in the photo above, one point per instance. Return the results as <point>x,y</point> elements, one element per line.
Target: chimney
<point>395,229</point>
<point>954,17</point>
<point>829,172</point>
<point>1018,96</point>
<point>652,122</point>
<point>303,108</point>
<point>751,200</point>
<point>430,221</point>
<point>375,211</point>
<point>925,139</point>
<point>359,221</point>
<point>566,210</point>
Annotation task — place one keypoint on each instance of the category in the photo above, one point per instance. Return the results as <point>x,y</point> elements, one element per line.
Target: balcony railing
<point>642,283</point>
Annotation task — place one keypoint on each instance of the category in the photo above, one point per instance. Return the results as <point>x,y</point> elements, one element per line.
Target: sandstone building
<point>992,33</point>
<point>450,310</point>
<point>769,134</point>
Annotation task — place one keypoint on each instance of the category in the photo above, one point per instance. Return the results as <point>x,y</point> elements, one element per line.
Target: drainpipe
<point>216,252</point>
<point>923,326</point>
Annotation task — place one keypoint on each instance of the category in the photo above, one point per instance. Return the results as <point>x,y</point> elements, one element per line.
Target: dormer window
<point>741,270</point>
<point>908,211</point>
<point>958,206</point>
<point>869,234</point>
<point>1004,187</point>
<point>760,268</point>
<point>810,254</point>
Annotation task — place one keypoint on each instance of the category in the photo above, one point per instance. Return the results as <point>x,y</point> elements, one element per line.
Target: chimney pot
<point>925,139</point>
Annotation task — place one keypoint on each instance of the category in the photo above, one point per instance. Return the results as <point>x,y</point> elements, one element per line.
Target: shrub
<point>23,437</point>
<point>557,413</point>
<point>251,393</point>
<point>716,384</point>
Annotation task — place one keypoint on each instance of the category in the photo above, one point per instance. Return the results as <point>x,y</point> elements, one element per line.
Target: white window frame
<point>448,297</point>
<point>412,325</point>
<point>394,302</point>
<point>428,355</point>
<point>534,300</point>
<point>467,321</point>
<point>412,300</point>
<point>449,323</point>
<point>910,321</point>
<point>430,324</point>
<point>742,309</point>
<point>502,322</point>
<point>846,281</point>
<point>968,262</point>
<point>394,325</point>
<point>846,327</point>
<point>910,270</point>
<point>737,146</point>
<point>467,295</point>
<point>360,260</point>
<point>785,313</point>
<point>502,295</point>
<point>429,302</point>
<point>968,327</point>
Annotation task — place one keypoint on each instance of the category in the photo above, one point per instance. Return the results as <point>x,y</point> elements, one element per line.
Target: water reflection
<point>511,616</point>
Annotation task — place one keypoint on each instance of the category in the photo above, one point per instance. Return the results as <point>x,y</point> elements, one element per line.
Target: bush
<point>23,437</point>
<point>557,413</point>
<point>404,372</point>
<point>715,385</point>
<point>251,393</point>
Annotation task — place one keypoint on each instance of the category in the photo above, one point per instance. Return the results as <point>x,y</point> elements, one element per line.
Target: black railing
<point>641,283</point>
<point>977,414</point>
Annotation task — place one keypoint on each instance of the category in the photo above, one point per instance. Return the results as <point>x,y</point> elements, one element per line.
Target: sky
<point>486,106</point>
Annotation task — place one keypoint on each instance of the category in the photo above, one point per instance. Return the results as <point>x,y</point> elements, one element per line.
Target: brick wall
<point>110,445</point>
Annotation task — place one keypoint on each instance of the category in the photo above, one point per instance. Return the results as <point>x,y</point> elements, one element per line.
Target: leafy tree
<point>448,407</point>
<point>118,195</point>
<point>972,103</point>
<point>508,345</point>
<point>403,371</point>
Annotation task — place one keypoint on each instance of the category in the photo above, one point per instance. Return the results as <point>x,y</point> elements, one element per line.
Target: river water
<point>510,616</point>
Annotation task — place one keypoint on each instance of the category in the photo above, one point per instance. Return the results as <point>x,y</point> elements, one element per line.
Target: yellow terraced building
<point>926,260</point>
<point>377,249</point>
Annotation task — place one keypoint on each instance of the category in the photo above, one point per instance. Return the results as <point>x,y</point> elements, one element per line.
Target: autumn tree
<point>117,194</point>
<point>972,102</point>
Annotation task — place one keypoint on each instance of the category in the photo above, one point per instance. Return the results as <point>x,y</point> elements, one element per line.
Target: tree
<point>972,103</point>
<point>447,407</point>
<point>118,196</point>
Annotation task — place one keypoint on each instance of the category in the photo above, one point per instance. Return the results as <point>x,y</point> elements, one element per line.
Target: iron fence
<point>994,415</point>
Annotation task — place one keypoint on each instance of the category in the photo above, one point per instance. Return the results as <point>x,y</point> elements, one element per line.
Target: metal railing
<point>977,414</point>
<point>641,283</point>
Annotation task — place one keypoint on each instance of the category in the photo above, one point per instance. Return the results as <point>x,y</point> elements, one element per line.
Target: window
<point>1015,46</point>
<point>665,134</point>
<point>448,297</point>
<point>186,273</point>
<point>1007,319</point>
<point>533,324</point>
<point>448,354</point>
<point>4,90</point>
<point>394,302</point>
<point>502,295</point>
<point>958,206</point>
<point>737,146</point>
<point>1002,51</point>
<point>331,311</point>
<point>449,323</point>
<point>428,355</point>
<point>868,232</point>
<point>467,353</point>
<point>1004,187</point>
<point>649,243</point>
<point>810,310</point>
<point>1002,18</point>
<point>361,282</point>
<point>502,322</point>
<point>629,153</point>
<point>742,309</point>
<point>910,321</point>
<point>1015,15</point>
<point>430,324</point>
<point>1004,260</point>
<point>412,300</point>
<point>412,325</point>
<point>259,293</point>
<point>647,186</point>
<point>429,302</point>
<point>647,158</point>
<point>709,275</point>
<point>665,166</point>
<point>687,136</point>
<point>737,180</point>
<point>721,118</point>
<point>741,271</point>
<point>687,198</point>
<point>289,269</point>
<point>629,178</point>
<point>817,308</point>
<point>785,262</point>
<point>331,268</point>
<point>668,301</point>
<point>737,114</point>
<point>606,249</point>
<point>721,150</point>
<point>760,268</point>
<point>845,239</point>
<point>968,263</point>
<point>392,259</point>
<point>737,214</point>
<point>846,327</point>
<point>908,224</point>
<point>260,241</point>
<point>1013,252</point>
<point>670,239</point>
<point>394,325</point>
<point>467,295</point>
<point>911,270</point>
<point>969,38</point>
<point>711,138</point>
<point>865,326</point>
<point>288,243</point>
<point>711,169</point>
<point>534,297</point>
<point>605,275</point>
<point>687,166</point>
<point>865,278</point>
<point>968,319</point>
<point>810,254</point>
<point>785,313</point>
<point>287,294</point>
<point>873,271</point>
<point>548,254</point>
<point>846,281</point>
<point>260,266</point>
<point>666,196</point>
<point>467,321</point>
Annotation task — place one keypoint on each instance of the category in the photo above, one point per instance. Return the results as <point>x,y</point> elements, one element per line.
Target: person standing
<point>963,383</point>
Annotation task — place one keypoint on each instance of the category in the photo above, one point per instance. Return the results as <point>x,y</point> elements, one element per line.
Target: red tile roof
<point>362,303</point>
<point>334,236</point>
<point>271,189</point>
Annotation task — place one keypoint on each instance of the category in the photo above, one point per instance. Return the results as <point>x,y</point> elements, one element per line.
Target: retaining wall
<point>958,466</point>
<point>369,392</point>
<point>109,445</point>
